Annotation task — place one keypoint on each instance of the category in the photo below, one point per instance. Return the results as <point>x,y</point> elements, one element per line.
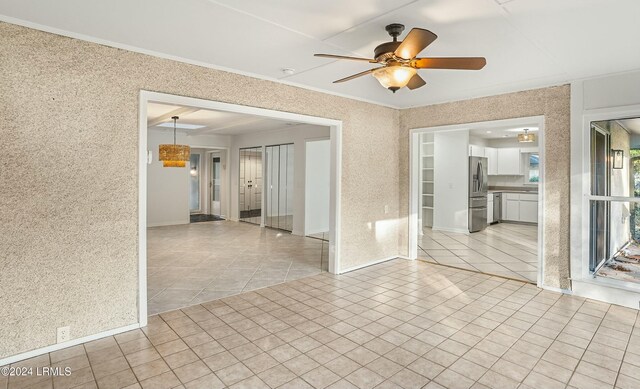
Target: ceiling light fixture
<point>400,62</point>
<point>526,137</point>
<point>394,77</point>
<point>174,155</point>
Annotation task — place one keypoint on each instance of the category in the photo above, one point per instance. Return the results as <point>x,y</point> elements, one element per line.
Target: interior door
<point>250,185</point>
<point>216,181</point>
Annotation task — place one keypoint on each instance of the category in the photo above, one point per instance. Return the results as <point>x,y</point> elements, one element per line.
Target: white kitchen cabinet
<point>529,211</point>
<point>512,210</point>
<point>476,151</point>
<point>490,208</point>
<point>492,157</point>
<point>509,161</point>
<point>520,207</point>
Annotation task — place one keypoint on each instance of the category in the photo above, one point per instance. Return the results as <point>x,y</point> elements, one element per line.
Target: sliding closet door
<point>250,185</point>
<point>279,208</point>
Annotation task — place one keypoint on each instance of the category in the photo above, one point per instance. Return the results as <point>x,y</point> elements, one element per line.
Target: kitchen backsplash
<point>508,181</point>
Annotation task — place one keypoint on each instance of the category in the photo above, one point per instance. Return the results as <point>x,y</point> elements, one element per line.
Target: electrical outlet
<point>386,209</point>
<point>64,334</point>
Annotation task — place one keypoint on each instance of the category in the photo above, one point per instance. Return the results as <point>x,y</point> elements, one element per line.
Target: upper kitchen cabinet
<point>509,162</point>
<point>477,151</point>
<point>492,158</point>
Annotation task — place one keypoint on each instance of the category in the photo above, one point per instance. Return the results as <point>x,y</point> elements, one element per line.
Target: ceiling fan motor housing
<point>384,52</point>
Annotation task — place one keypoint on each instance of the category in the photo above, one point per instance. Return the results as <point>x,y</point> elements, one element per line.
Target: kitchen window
<point>532,168</point>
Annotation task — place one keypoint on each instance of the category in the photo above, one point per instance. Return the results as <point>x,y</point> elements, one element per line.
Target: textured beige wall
<point>68,174</point>
<point>554,104</point>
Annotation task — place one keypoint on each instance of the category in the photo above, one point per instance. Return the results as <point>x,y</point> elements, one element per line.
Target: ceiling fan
<point>400,65</point>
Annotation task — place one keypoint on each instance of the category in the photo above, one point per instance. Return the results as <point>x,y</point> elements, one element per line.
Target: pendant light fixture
<point>526,137</point>
<point>174,155</point>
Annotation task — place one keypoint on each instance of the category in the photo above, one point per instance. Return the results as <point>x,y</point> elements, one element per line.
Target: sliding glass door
<point>600,157</point>
<point>613,201</point>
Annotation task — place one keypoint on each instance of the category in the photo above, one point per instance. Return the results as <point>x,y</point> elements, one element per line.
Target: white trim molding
<point>371,263</point>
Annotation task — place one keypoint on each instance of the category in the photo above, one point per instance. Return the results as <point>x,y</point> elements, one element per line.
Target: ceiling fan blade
<point>459,63</point>
<point>344,57</point>
<point>355,76</point>
<point>416,82</point>
<point>416,40</point>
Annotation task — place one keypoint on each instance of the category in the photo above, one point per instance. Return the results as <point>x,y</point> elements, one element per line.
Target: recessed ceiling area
<point>502,132</point>
<point>527,43</point>
<point>198,121</point>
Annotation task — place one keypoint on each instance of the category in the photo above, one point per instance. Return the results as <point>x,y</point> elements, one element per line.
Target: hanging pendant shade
<point>526,137</point>
<point>174,155</point>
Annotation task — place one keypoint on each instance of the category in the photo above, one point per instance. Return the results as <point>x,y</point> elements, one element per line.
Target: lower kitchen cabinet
<point>520,207</point>
<point>528,211</point>
<point>512,210</point>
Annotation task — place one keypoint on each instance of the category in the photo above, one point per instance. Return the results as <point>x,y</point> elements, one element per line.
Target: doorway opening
<point>476,198</point>
<point>234,149</point>
<point>202,171</point>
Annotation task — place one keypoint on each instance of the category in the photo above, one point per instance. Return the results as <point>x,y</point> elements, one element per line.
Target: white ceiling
<point>527,43</point>
<point>212,122</point>
<point>632,125</point>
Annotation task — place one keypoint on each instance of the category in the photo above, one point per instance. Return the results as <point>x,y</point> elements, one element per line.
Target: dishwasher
<point>497,207</point>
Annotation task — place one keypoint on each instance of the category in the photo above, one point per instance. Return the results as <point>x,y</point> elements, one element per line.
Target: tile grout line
<point>633,327</point>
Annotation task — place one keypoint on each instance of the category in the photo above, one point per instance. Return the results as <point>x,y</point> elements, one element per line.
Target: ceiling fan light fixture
<point>394,77</point>
<point>526,137</point>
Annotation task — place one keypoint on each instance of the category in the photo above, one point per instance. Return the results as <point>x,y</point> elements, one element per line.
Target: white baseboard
<point>447,229</point>
<point>554,289</point>
<point>169,223</point>
<point>375,262</point>
<point>72,342</point>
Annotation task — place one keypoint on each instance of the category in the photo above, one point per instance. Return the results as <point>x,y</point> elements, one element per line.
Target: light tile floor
<point>399,324</point>
<point>192,263</point>
<point>504,249</point>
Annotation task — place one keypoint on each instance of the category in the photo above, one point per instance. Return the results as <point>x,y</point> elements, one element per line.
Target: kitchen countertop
<point>512,191</point>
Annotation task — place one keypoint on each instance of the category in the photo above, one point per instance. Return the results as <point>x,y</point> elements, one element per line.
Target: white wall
<point>294,134</point>
<point>317,176</point>
<point>168,188</point>
<point>451,181</point>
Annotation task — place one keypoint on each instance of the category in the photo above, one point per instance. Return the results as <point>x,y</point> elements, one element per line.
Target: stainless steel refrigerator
<point>478,185</point>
